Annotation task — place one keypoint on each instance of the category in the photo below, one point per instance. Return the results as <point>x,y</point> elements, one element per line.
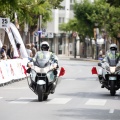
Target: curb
<point>11,82</point>
<point>83,59</point>
<point>78,59</point>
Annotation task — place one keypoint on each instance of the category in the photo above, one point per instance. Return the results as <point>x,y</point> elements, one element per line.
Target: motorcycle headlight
<point>112,69</point>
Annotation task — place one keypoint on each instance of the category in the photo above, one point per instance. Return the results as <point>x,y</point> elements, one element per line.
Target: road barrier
<point>12,69</point>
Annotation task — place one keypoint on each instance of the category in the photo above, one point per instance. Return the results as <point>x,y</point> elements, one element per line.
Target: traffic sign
<point>4,22</point>
<point>35,33</point>
<point>47,35</point>
<point>40,31</point>
<point>50,35</point>
<point>74,34</point>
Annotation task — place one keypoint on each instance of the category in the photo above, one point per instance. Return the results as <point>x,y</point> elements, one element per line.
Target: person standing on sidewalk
<point>33,49</point>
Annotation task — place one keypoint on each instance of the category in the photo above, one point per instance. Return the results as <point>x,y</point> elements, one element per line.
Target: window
<point>61,19</point>
<point>71,7</point>
<point>72,1</point>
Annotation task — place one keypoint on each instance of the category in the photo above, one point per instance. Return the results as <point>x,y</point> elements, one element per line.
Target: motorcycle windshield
<point>43,59</point>
<point>112,59</point>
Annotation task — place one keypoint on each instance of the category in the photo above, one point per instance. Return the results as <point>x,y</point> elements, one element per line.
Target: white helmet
<point>44,46</point>
<point>113,47</point>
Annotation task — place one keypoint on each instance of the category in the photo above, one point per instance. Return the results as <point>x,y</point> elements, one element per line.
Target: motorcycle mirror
<point>99,64</point>
<point>29,64</point>
<point>103,61</point>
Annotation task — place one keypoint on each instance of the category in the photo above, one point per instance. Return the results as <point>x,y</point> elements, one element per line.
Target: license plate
<point>112,78</point>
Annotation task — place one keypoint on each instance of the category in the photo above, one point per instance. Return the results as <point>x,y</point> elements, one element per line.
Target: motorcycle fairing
<point>43,59</point>
<point>113,58</point>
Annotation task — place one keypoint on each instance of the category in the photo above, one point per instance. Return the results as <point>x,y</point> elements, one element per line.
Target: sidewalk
<point>77,58</point>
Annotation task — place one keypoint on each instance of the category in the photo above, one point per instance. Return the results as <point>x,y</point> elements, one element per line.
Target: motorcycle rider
<point>53,58</point>
<point>45,47</point>
<point>112,52</point>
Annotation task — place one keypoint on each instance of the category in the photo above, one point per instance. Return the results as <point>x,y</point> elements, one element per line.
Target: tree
<point>28,10</point>
<point>72,25</point>
<point>115,3</point>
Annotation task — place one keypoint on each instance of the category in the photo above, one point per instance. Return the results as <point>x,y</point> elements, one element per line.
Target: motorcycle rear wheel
<point>112,88</point>
<point>40,92</point>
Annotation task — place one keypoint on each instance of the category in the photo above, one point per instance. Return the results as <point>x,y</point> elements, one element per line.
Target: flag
<point>25,71</point>
<point>62,71</point>
<point>94,70</point>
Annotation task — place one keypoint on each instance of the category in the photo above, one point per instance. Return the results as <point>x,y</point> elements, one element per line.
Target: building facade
<point>62,43</point>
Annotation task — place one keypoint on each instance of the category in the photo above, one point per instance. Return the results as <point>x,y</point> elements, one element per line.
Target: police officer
<point>45,47</point>
<point>112,53</point>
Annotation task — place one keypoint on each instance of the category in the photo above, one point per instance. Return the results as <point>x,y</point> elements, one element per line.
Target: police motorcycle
<point>110,73</point>
<point>44,76</point>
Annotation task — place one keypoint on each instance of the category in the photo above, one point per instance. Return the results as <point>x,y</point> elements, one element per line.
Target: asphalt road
<point>79,96</point>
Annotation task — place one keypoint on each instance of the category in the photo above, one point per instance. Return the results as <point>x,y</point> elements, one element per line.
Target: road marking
<point>1,97</point>
<point>17,88</point>
<point>59,101</point>
<point>69,79</point>
<point>116,97</point>
<point>99,102</point>
<point>22,100</point>
<point>111,111</point>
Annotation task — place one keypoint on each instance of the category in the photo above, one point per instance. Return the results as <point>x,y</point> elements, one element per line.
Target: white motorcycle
<point>110,74</point>
<point>44,76</point>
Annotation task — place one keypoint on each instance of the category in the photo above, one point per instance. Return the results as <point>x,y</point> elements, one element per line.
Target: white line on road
<point>116,97</point>
<point>69,79</point>
<point>17,88</point>
<point>22,100</point>
<point>111,111</point>
<point>59,101</point>
<point>99,102</point>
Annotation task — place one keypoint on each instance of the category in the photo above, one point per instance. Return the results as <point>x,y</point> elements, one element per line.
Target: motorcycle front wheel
<point>112,88</point>
<point>40,91</point>
<point>45,97</point>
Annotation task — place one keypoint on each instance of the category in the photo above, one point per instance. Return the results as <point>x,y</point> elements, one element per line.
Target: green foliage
<point>82,11</point>
<point>55,3</point>
<point>114,23</point>
<point>28,10</point>
<point>115,3</point>
<point>72,25</point>
<point>107,17</point>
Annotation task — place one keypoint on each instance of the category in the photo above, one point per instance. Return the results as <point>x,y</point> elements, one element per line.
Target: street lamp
<point>105,39</point>
<point>96,33</point>
<point>118,38</point>
<point>40,32</point>
<point>75,35</point>
<point>87,40</point>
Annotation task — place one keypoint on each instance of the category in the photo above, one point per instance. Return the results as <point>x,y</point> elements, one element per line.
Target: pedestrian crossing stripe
<point>70,79</point>
<point>23,100</point>
<point>99,102</point>
<point>59,101</point>
<point>17,88</point>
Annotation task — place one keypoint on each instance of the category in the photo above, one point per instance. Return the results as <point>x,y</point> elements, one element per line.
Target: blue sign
<point>40,31</point>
